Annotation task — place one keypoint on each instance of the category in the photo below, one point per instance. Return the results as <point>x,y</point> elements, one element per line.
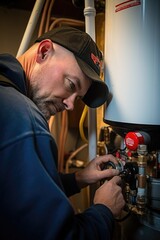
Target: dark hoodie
<point>33,196</point>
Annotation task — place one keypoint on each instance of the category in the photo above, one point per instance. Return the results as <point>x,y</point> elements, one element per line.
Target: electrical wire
<point>73,155</point>
<point>68,21</point>
<point>49,15</point>
<point>81,124</point>
<point>44,14</point>
<point>62,140</point>
<point>50,122</point>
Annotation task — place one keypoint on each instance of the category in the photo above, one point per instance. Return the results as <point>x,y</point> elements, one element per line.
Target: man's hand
<point>93,173</point>
<point>110,194</point>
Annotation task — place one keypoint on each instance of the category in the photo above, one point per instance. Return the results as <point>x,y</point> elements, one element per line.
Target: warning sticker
<point>127,4</point>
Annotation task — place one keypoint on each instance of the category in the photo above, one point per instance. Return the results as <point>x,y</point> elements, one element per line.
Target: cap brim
<point>98,92</point>
<point>96,95</point>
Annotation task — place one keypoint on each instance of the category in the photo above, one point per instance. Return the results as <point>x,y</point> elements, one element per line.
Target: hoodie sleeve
<point>33,203</point>
<point>69,184</point>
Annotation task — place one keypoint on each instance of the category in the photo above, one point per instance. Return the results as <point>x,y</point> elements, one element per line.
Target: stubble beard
<point>41,102</point>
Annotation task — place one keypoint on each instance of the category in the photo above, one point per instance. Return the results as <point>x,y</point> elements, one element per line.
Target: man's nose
<point>69,102</point>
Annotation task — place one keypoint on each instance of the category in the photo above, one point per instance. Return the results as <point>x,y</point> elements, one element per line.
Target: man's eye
<point>71,85</point>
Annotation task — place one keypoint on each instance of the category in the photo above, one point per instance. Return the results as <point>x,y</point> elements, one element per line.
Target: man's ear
<point>45,48</point>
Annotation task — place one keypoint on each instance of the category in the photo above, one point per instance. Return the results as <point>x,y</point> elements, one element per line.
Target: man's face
<point>57,82</point>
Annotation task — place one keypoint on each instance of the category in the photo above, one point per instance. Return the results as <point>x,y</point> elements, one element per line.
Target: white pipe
<point>89,13</point>
<point>30,26</point>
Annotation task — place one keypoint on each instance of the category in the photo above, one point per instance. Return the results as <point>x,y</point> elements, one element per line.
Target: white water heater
<point>132,63</point>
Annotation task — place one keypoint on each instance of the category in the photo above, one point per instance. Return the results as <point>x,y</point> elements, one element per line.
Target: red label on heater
<point>130,142</point>
<point>127,4</point>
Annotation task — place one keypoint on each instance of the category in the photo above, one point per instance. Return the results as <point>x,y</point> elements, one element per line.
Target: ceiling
<point>61,8</point>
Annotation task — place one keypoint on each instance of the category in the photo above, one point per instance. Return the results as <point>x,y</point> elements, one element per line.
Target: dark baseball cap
<point>89,59</point>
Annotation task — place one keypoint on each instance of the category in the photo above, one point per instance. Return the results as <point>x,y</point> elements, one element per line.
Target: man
<point>61,66</point>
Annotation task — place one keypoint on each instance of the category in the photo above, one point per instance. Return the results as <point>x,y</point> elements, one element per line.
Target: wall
<point>13,23</point>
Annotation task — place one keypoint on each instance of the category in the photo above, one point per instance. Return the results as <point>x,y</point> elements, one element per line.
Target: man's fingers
<point>110,172</point>
<point>107,158</point>
<point>116,179</point>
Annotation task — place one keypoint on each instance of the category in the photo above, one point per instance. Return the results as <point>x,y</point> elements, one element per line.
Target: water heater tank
<point>132,64</point>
